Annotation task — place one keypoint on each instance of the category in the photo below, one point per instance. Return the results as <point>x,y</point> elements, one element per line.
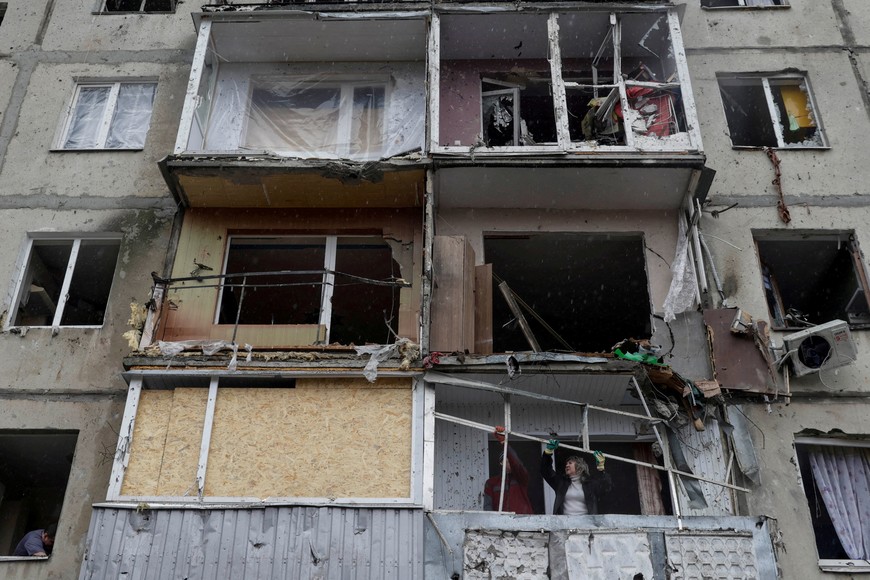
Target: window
<point>742,3</point>
<point>813,279</point>
<point>573,282</point>
<point>66,282</point>
<point>345,119</point>
<point>324,280</point>
<point>774,111</point>
<point>108,116</point>
<point>836,476</point>
<point>35,465</point>
<point>3,6</point>
<point>113,6</point>
<point>531,103</point>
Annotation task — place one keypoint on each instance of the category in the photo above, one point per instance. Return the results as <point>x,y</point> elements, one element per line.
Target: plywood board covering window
<point>166,443</point>
<point>325,438</point>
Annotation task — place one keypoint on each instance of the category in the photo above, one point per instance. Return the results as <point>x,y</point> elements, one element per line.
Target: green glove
<point>599,460</point>
<point>552,445</point>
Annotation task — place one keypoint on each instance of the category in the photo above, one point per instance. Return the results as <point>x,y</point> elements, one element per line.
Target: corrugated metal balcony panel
<point>267,543</point>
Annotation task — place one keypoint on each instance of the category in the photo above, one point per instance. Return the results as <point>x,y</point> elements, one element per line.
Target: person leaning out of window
<point>577,491</point>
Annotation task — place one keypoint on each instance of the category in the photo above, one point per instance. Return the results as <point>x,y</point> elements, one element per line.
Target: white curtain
<point>842,475</point>
<point>681,295</point>
<point>760,3</point>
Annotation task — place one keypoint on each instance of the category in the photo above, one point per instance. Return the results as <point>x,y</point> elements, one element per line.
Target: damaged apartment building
<point>277,272</point>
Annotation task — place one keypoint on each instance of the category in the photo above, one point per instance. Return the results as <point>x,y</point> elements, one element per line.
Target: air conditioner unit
<point>822,347</point>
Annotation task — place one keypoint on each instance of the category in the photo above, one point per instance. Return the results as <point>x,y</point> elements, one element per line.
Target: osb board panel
<point>149,439</point>
<point>739,364</point>
<point>299,190</point>
<point>183,442</point>
<point>452,295</point>
<point>203,240</point>
<point>321,439</point>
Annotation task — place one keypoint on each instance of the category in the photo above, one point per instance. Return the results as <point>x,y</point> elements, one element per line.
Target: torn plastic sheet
<point>208,347</point>
<point>684,283</point>
<point>741,443</point>
<point>381,352</point>
<point>692,486</point>
<point>360,111</point>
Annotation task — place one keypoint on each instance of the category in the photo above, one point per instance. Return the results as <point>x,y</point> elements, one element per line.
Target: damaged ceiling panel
<point>341,186</point>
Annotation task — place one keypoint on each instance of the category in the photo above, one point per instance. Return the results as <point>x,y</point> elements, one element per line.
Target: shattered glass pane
<point>647,51</point>
<point>43,282</point>
<point>91,282</point>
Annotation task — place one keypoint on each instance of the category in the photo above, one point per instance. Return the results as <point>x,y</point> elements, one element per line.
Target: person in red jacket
<point>516,494</point>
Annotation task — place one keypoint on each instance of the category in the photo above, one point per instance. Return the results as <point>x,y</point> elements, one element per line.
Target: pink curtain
<point>842,475</point>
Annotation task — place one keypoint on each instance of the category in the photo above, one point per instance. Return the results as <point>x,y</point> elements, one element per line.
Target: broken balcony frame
<point>198,499</point>
<point>678,83</point>
<point>434,378</point>
<point>164,285</point>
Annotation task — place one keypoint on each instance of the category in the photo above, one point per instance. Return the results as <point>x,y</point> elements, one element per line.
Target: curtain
<point>132,116</point>
<point>84,127</point>
<point>842,475</point>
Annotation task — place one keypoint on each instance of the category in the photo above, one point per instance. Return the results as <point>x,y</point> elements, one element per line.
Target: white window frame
<point>101,9</point>
<point>330,244</point>
<point>24,274</point>
<point>855,566</point>
<point>108,115</point>
<point>345,108</point>
<point>773,113</point>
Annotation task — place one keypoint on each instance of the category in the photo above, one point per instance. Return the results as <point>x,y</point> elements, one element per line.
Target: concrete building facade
<point>275,272</point>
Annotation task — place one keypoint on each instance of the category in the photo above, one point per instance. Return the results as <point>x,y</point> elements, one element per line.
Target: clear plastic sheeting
<point>681,295</point>
<point>114,116</point>
<point>356,111</point>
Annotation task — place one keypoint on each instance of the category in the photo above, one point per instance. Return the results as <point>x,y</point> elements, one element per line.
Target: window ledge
<point>761,148</point>
<point>23,558</point>
<point>848,566</point>
<point>776,7</point>
<point>98,150</point>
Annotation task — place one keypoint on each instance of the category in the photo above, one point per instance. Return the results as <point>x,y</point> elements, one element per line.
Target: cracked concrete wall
<point>824,189</point>
<point>96,419</point>
<point>72,380</point>
<point>805,23</point>
<point>780,494</point>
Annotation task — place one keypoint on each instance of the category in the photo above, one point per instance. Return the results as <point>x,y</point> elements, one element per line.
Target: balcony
<point>576,109</point>
<point>288,108</point>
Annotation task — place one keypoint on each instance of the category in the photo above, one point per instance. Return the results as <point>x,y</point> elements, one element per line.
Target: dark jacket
<point>594,486</point>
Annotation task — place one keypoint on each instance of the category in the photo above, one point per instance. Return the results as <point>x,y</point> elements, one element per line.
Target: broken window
<point>298,117</point>
<point>589,71</point>
<point>112,6</point>
<point>108,116</point>
<point>66,282</point>
<point>742,3</point>
<point>591,290</point>
<point>836,475</point>
<point>3,6</point>
<point>34,470</point>
<point>512,101</point>
<point>328,280</point>
<point>813,279</point>
<point>770,111</point>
